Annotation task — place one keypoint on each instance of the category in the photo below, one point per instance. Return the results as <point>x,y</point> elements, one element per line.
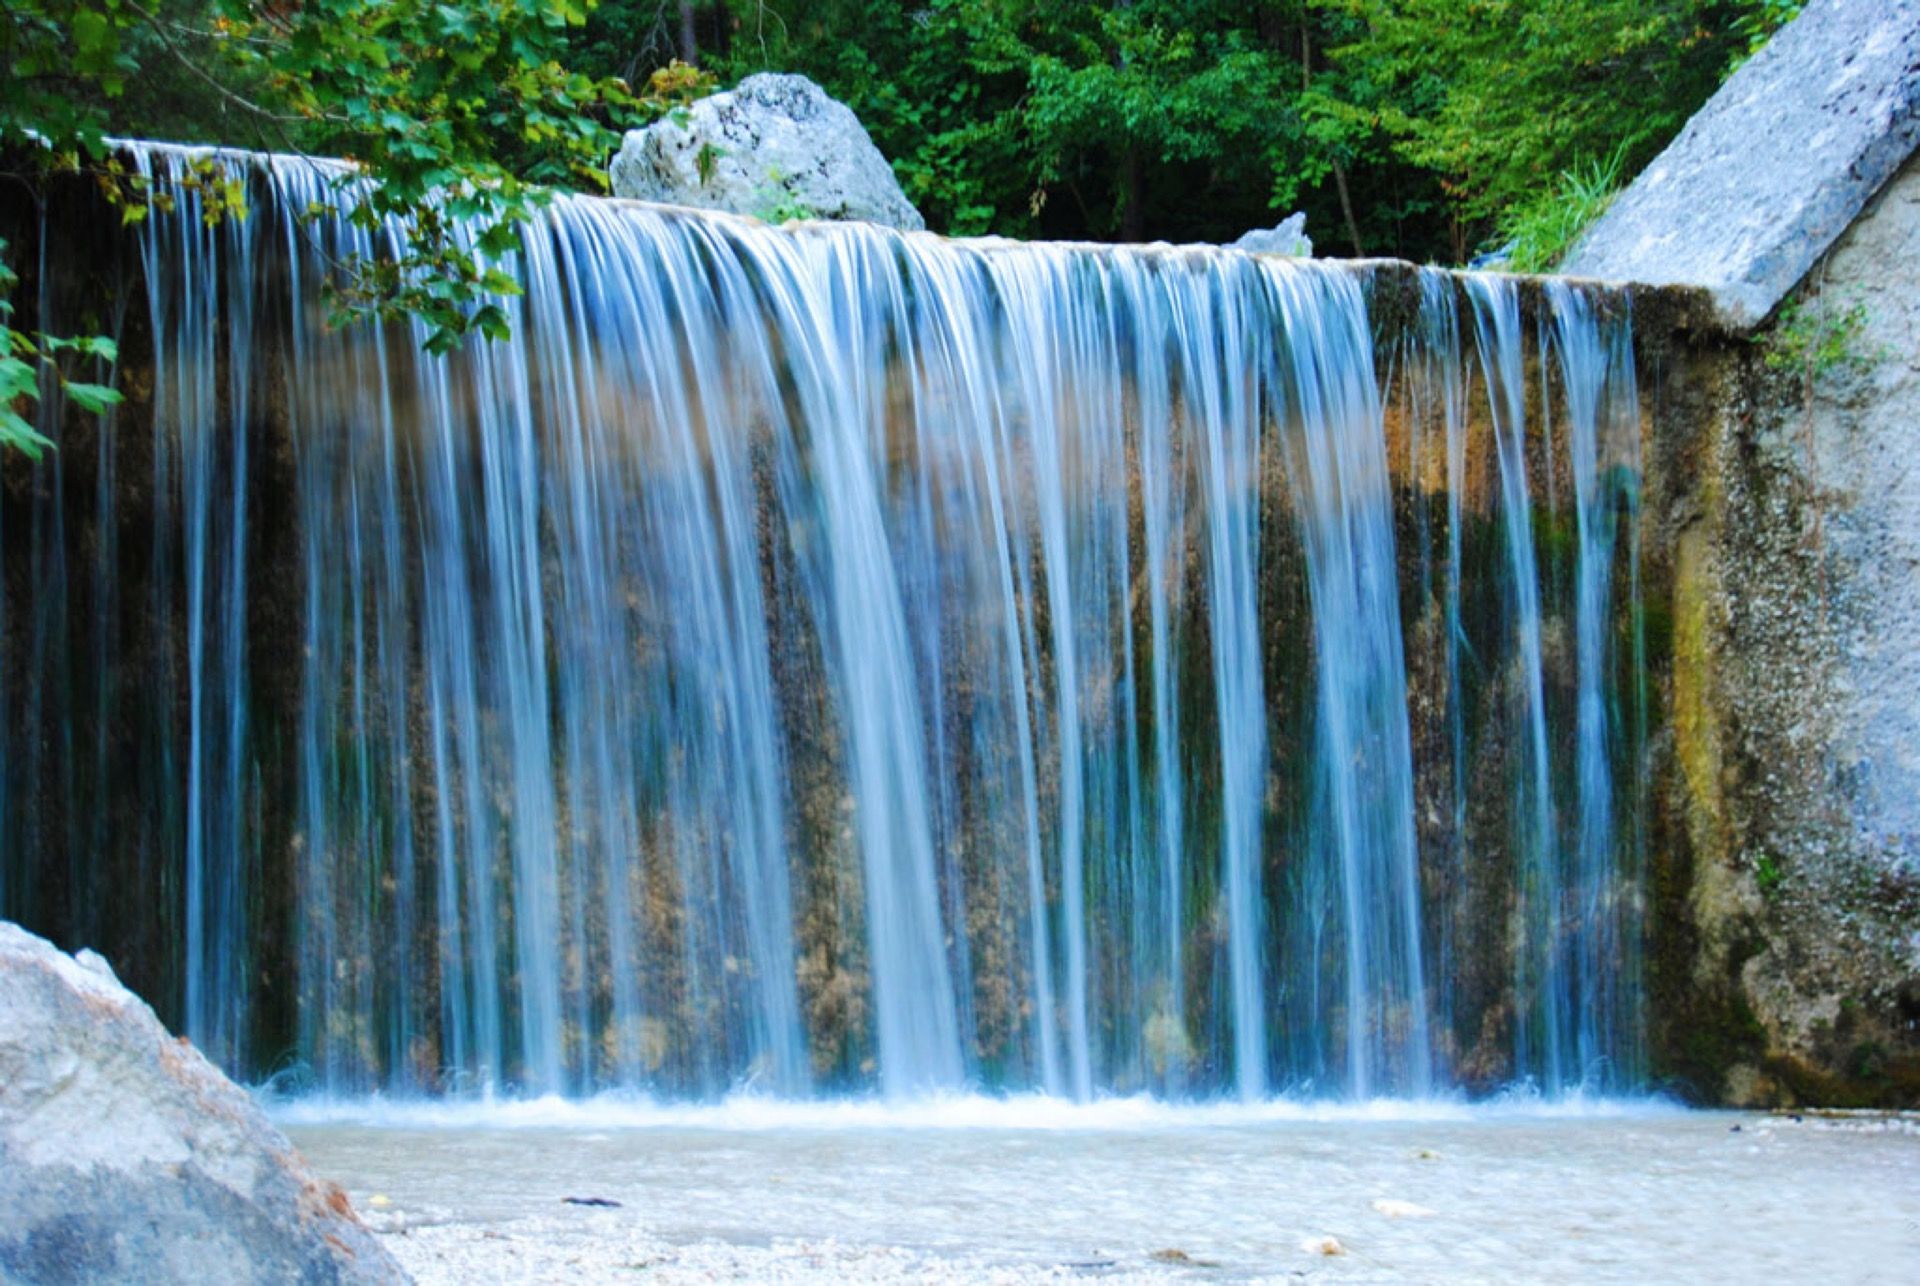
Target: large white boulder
<point>1287,237</point>
<point>776,147</point>
<point>126,1156</point>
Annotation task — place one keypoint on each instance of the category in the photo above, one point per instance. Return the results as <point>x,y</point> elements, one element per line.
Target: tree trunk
<point>689,47</point>
<point>1346,208</point>
<point>1339,170</point>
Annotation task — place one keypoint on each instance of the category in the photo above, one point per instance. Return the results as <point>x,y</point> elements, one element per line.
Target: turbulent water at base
<point>820,660</point>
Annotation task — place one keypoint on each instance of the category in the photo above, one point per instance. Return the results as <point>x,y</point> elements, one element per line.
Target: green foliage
<point>778,205</point>
<point>1413,127</point>
<point>460,119</point>
<point>1813,340</point>
<point>1416,127</point>
<point>26,359</point>
<point>1497,97</point>
<point>222,194</point>
<point>1543,228</point>
<point>461,114</point>
<point>705,160</point>
<point>785,209</point>
<point>454,113</point>
<point>1171,116</point>
<point>1768,875</point>
<point>1757,25</point>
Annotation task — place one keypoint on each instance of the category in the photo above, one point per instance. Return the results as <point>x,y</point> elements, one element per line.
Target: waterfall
<point>822,660</point>
<point>1572,957</point>
<point>205,469</point>
<point>1597,961</point>
<point>1365,752</point>
<point>1539,981</point>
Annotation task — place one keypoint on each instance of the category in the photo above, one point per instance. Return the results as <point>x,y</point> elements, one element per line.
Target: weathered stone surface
<point>1772,170</point>
<point>126,1156</point>
<point>776,146</point>
<point>1287,237</point>
<point>1794,529</point>
<point>1824,645</point>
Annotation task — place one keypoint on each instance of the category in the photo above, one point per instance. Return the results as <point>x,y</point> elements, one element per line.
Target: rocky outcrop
<point>776,147</point>
<point>1775,167</point>
<point>126,1156</point>
<point>1796,614</point>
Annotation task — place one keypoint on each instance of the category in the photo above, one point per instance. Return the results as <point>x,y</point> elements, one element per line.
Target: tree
<point>461,119</point>
<point>1500,98</point>
<point>452,113</point>
<point>1418,127</point>
<point>1415,127</point>
<point>1143,117</point>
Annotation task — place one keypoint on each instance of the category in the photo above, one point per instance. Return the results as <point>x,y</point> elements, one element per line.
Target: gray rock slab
<point>1775,166</point>
<point>776,146</point>
<point>125,1156</point>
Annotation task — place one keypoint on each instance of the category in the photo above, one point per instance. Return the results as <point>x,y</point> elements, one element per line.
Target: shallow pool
<point>978,1187</point>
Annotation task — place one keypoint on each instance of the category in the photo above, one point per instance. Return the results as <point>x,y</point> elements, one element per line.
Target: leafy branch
<point>458,120</point>
<point>29,357</point>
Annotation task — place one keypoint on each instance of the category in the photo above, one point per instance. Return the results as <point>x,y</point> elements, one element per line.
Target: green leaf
<point>492,322</point>
<point>496,282</point>
<point>18,435</point>
<point>93,36</point>
<point>92,398</point>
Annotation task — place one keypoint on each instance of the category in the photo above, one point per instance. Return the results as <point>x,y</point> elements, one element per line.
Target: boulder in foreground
<point>126,1156</point>
<point>776,147</point>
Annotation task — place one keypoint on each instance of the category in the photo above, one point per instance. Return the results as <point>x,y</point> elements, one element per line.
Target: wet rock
<point>775,147</point>
<point>1287,237</point>
<point>126,1156</point>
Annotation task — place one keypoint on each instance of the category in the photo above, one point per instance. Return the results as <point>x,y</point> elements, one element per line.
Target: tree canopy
<point>1418,128</point>
<point>461,118</point>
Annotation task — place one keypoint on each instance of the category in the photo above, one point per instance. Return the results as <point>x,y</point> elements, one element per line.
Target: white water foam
<point>748,1112</point>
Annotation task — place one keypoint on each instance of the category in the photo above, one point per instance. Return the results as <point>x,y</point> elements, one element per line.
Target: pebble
<point>1393,1208</point>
